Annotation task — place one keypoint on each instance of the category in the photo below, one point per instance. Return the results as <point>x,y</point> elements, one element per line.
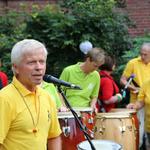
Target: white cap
<point>85,46</point>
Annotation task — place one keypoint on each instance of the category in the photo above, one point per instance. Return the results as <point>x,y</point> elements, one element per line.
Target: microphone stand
<point>76,117</point>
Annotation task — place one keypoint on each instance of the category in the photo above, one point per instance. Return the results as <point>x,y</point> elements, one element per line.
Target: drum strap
<point>105,76</point>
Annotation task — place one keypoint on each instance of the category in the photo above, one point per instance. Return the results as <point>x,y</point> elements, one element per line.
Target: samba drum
<point>71,133</point>
<point>99,145</point>
<point>135,120</point>
<point>87,118</point>
<point>118,127</point>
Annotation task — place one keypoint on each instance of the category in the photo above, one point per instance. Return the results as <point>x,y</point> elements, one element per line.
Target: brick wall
<point>138,11</point>
<point>22,5</point>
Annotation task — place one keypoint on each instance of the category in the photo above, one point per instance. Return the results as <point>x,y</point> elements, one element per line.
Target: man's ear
<point>15,67</point>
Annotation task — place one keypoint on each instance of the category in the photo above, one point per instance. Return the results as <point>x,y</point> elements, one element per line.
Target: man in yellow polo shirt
<point>144,101</point>
<point>140,67</point>
<point>28,116</point>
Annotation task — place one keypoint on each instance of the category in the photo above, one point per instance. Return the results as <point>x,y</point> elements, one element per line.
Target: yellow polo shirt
<point>18,111</point>
<point>141,72</point>
<point>144,95</point>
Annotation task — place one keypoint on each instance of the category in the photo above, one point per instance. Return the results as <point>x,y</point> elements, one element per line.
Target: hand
<point>94,109</point>
<point>63,109</point>
<point>119,97</point>
<point>136,90</point>
<point>131,106</point>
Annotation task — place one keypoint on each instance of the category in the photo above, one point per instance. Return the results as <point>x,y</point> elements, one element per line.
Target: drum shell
<point>116,127</point>
<point>87,118</point>
<point>75,136</point>
<point>135,120</point>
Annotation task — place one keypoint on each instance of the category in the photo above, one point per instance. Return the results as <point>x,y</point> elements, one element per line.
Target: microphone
<point>127,84</point>
<point>52,79</point>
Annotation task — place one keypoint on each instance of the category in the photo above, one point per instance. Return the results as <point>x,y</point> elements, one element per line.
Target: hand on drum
<point>137,105</point>
<point>63,109</point>
<point>131,106</point>
<point>94,109</point>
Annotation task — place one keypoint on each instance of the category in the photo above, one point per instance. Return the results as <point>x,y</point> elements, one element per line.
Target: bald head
<point>145,53</point>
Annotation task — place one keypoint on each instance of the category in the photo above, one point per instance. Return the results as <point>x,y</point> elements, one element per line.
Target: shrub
<point>63,27</point>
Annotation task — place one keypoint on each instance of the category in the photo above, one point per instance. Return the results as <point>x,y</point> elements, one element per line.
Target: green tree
<point>62,27</point>
<point>11,30</point>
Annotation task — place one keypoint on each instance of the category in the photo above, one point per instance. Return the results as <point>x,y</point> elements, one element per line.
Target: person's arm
<point>93,105</point>
<point>114,99</point>
<point>63,107</point>
<point>141,97</point>
<point>137,105</point>
<point>107,89</point>
<point>124,81</point>
<point>54,143</point>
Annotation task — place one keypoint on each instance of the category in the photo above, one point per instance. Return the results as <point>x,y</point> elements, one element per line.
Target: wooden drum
<point>135,120</point>
<point>117,127</point>
<point>71,133</point>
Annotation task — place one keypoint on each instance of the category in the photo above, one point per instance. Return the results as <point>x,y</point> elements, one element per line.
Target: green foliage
<point>63,27</point>
<point>11,31</point>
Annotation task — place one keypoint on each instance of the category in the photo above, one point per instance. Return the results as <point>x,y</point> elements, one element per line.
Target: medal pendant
<point>34,130</point>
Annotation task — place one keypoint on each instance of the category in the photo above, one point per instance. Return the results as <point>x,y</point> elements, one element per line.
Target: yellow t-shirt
<point>144,95</point>
<point>21,111</point>
<point>141,72</point>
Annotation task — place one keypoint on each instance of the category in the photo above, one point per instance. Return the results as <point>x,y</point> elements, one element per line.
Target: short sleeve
<point>5,117</point>
<point>54,130</point>
<point>128,69</point>
<point>97,86</point>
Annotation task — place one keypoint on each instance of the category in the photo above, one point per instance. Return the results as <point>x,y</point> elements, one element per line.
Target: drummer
<point>140,67</point>
<point>85,75</point>
<point>109,94</point>
<point>143,101</point>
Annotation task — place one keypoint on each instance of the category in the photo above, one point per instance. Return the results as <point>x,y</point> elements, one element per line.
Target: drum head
<point>123,110</point>
<point>99,145</point>
<point>112,115</point>
<point>83,109</point>
<point>68,114</point>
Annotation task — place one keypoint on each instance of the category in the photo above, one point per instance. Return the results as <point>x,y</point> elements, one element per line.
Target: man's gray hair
<point>146,45</point>
<point>23,47</point>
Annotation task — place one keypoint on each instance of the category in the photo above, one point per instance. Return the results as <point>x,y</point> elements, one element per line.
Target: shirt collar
<point>22,88</point>
<point>139,58</point>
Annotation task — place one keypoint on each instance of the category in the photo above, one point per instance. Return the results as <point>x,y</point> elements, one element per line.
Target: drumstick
<point>127,84</point>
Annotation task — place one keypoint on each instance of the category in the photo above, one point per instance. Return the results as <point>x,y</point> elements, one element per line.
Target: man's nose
<point>38,65</point>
